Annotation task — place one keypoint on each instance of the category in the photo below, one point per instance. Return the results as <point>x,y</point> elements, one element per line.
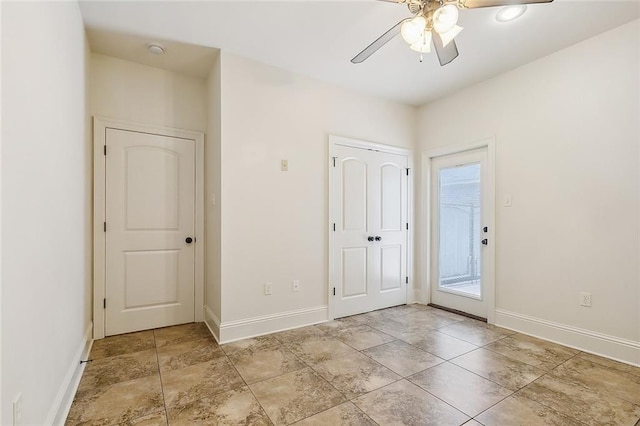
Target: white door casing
<point>368,201</point>
<point>148,191</point>
<point>481,152</point>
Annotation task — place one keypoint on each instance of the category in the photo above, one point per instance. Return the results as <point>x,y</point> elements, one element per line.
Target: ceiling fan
<point>433,21</point>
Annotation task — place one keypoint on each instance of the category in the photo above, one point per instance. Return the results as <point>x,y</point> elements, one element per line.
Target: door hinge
<point>104,303</point>
<point>406,280</point>
<point>105,150</point>
<point>334,291</point>
<point>334,161</point>
<point>104,226</point>
<point>407,171</point>
<point>407,226</point>
<point>334,227</point>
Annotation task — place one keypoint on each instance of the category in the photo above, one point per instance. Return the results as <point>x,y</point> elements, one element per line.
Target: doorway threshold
<point>455,311</point>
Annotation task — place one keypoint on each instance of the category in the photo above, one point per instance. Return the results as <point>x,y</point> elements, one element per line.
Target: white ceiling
<point>318,38</point>
<point>182,58</point>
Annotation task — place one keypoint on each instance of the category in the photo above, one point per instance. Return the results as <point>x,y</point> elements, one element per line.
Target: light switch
<point>212,199</point>
<point>507,200</point>
<point>284,165</point>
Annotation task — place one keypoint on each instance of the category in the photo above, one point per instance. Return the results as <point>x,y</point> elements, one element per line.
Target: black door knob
<point>370,238</point>
<point>188,240</point>
<point>378,238</point>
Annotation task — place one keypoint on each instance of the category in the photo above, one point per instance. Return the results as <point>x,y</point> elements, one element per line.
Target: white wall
<point>213,167</point>
<point>567,137</point>
<point>139,93</point>
<point>1,400</point>
<point>275,223</point>
<point>46,205</point>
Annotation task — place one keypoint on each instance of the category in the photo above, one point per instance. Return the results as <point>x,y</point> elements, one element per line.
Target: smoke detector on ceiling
<point>155,48</point>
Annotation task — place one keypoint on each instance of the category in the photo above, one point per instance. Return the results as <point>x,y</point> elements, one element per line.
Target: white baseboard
<point>213,323</point>
<point>67,391</point>
<point>257,326</point>
<point>627,351</point>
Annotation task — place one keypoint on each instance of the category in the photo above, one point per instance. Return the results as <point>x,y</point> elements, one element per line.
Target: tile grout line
<point>195,338</point>
<point>489,379</point>
<point>332,334</point>
<point>585,387</point>
<point>401,377</point>
<point>535,380</point>
<point>544,371</point>
<point>164,401</point>
<point>118,355</point>
<point>440,399</point>
<point>247,384</point>
<point>313,370</point>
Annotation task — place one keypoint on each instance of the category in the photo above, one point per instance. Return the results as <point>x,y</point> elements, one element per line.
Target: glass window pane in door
<point>459,221</point>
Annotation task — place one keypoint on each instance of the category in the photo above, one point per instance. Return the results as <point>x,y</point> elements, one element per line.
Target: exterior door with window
<point>459,232</point>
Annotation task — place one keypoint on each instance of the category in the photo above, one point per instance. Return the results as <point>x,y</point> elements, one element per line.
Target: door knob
<point>188,240</point>
<point>485,242</point>
<point>378,238</point>
<point>370,238</point>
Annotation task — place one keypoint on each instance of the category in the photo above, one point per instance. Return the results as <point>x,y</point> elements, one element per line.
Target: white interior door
<point>369,230</point>
<point>459,234</point>
<point>150,214</point>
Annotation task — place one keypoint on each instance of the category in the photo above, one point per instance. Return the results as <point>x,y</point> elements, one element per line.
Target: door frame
<point>100,126</point>
<point>489,280</point>
<point>334,141</point>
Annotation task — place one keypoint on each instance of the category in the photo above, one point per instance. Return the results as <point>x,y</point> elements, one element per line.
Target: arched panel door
<point>368,191</point>
<point>150,214</point>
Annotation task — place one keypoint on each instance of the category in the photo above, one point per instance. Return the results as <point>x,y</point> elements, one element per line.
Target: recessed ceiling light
<point>155,48</point>
<point>509,13</point>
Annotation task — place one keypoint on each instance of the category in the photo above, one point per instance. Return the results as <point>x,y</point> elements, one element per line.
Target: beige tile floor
<point>411,365</point>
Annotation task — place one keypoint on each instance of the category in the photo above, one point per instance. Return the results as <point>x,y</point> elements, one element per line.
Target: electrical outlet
<point>296,285</point>
<point>585,299</point>
<point>17,410</point>
<point>267,289</point>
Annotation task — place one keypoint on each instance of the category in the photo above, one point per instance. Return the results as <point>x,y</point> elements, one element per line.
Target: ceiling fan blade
<point>381,41</point>
<point>474,4</point>
<point>446,53</point>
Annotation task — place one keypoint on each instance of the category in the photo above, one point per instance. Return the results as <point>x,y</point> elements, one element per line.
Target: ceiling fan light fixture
<point>509,13</point>
<point>413,29</point>
<point>445,18</point>
<point>450,35</point>
<point>424,44</point>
